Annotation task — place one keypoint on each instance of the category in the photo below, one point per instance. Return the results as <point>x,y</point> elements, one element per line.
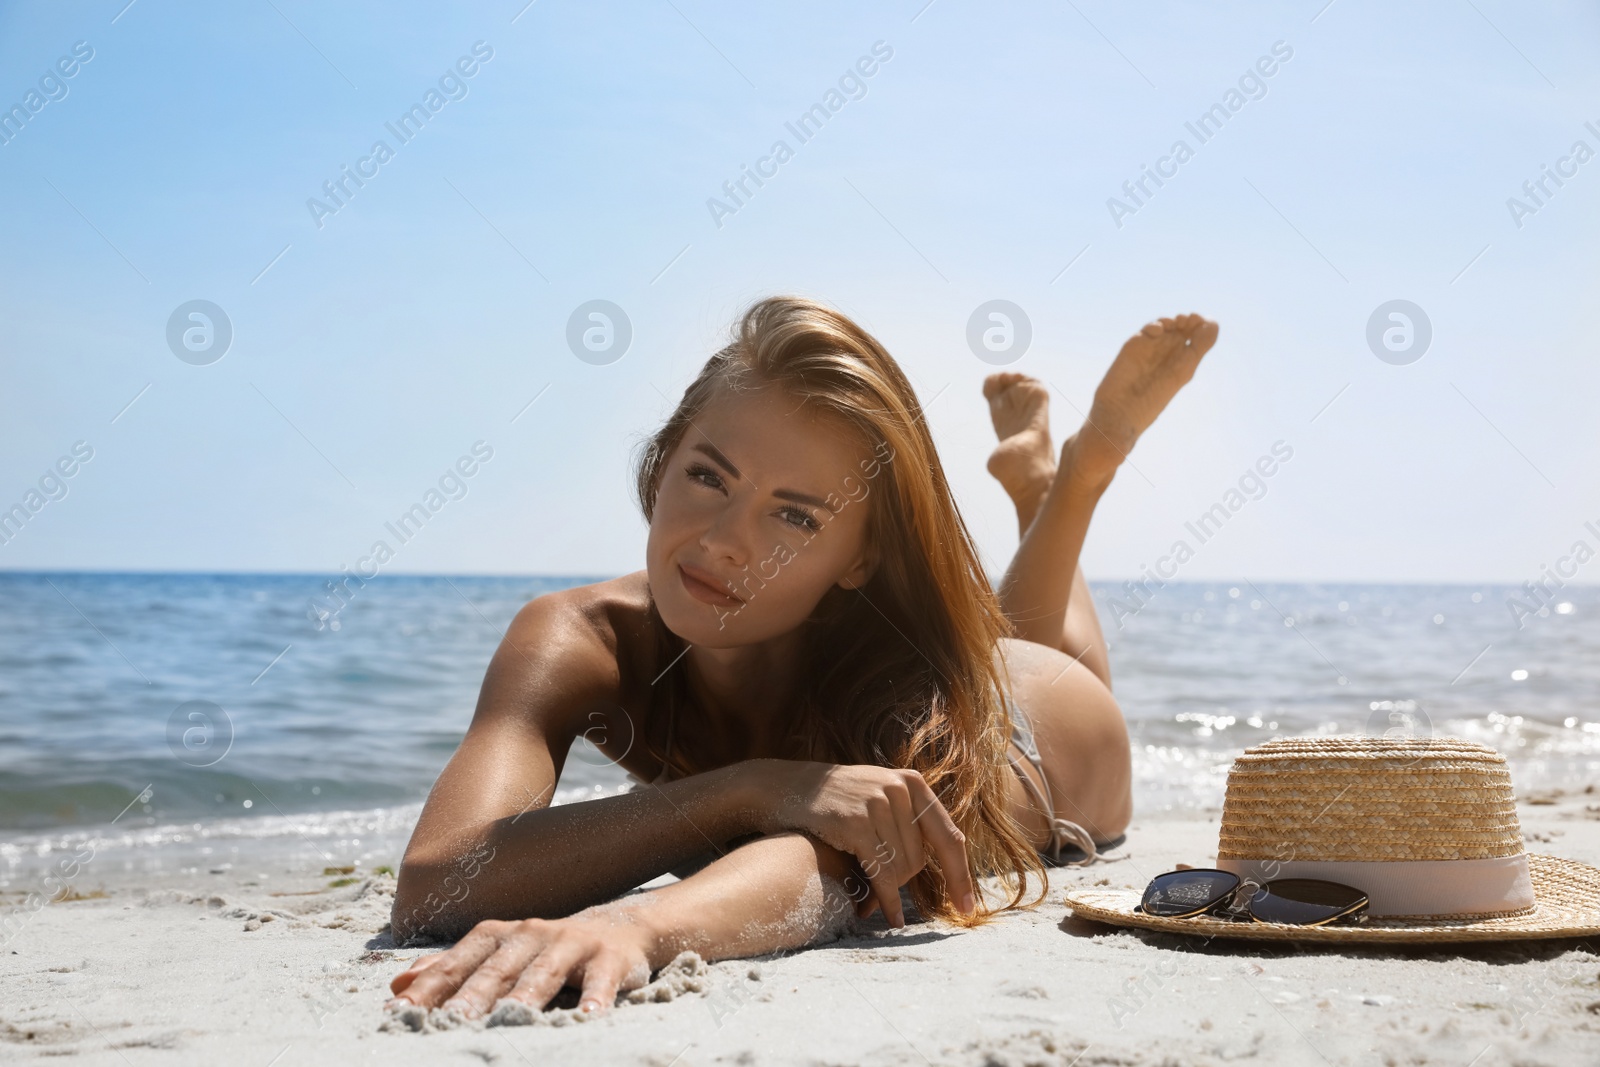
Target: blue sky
<point>371,352</point>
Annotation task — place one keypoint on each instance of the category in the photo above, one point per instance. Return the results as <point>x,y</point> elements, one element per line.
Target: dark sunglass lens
<point>1303,901</point>
<point>1180,893</point>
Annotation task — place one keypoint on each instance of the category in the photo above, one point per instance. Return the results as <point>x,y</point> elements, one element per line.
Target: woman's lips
<point>706,593</point>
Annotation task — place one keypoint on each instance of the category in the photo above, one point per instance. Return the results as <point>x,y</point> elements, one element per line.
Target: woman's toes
<point>1021,404</point>
<point>999,382</point>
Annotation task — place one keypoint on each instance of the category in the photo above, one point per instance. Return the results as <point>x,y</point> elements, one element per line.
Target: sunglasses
<point>1294,901</point>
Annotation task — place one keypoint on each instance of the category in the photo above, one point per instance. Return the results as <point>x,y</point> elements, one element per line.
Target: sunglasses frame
<point>1228,906</point>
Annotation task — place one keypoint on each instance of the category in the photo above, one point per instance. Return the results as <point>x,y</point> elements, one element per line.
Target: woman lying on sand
<point>812,674</point>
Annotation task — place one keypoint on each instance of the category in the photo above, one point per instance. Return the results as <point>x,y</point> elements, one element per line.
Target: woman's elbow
<point>429,904</point>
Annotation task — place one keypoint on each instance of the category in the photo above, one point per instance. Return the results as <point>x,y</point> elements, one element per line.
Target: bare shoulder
<point>602,620</point>
<point>574,650</point>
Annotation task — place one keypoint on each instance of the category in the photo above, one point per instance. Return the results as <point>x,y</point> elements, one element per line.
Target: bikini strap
<point>1062,831</point>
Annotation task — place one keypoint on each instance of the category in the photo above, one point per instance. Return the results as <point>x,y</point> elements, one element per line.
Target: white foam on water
<point>363,837</point>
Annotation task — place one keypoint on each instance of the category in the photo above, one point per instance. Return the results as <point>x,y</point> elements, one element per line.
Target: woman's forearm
<point>548,862</point>
<point>777,892</point>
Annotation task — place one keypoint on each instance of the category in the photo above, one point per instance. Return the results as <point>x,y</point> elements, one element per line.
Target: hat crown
<point>1368,798</point>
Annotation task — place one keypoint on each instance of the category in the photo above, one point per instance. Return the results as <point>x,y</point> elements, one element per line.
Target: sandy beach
<point>803,414</point>
<point>216,967</point>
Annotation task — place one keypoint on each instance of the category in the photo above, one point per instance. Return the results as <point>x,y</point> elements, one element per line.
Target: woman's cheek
<point>808,577</point>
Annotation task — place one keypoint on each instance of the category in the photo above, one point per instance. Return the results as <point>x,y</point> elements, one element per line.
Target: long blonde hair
<point>900,672</point>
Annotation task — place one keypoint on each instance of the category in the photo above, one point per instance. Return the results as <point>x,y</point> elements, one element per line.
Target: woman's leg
<point>1044,592</point>
<point>1025,464</point>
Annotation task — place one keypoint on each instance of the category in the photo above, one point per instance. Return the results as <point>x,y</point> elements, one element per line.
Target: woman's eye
<point>793,516</point>
<point>699,473</point>
<point>800,518</point>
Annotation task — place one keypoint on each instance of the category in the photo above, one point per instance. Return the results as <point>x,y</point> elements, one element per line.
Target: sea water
<point>323,721</point>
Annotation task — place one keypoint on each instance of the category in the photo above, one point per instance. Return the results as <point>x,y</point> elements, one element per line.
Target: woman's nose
<point>726,538</point>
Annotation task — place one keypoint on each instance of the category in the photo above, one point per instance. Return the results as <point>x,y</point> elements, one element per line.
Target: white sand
<point>227,973</point>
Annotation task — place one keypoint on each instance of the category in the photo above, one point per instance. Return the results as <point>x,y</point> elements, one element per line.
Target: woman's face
<point>766,501</point>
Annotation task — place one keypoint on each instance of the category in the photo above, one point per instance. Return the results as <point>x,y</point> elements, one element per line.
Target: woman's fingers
<point>529,961</point>
<point>908,858</point>
<point>543,978</point>
<point>496,975</point>
<point>890,825</point>
<point>860,891</point>
<point>602,975</point>
<point>884,888</point>
<point>871,853</point>
<point>445,974</point>
<point>409,975</point>
<point>949,844</point>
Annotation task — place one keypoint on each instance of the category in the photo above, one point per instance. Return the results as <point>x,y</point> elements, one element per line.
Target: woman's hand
<point>887,818</point>
<point>602,951</point>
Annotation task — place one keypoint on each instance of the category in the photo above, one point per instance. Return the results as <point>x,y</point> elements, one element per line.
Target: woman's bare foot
<point>1151,368</point>
<point>1024,462</point>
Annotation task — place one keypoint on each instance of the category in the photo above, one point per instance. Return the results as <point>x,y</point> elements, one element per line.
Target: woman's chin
<point>703,625</point>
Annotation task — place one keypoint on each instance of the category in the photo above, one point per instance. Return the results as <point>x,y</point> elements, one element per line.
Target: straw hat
<point>1426,827</point>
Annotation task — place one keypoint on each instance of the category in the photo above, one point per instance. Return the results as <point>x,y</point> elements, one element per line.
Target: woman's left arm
<point>780,891</point>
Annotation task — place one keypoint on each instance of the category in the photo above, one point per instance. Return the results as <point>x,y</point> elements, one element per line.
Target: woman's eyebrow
<point>803,498</point>
<point>722,461</point>
<point>786,494</point>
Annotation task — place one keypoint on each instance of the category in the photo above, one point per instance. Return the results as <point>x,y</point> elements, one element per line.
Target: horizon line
<point>597,577</point>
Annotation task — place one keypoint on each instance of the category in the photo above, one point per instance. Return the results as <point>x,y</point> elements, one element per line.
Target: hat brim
<point>1566,904</point>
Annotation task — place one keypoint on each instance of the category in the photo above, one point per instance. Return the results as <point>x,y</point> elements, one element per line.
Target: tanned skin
<point>532,891</point>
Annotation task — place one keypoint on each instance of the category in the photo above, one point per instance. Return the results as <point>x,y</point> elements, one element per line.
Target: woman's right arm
<point>489,846</point>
